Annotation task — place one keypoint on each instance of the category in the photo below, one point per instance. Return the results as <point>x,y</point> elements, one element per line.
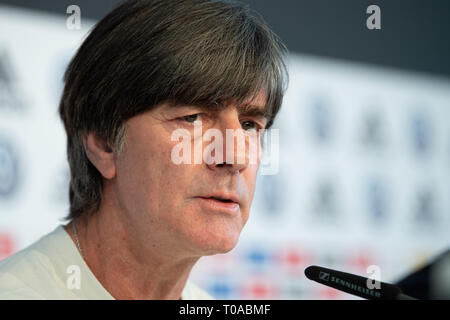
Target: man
<point>139,221</point>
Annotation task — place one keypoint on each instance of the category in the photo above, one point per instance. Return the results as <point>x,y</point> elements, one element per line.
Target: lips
<point>220,202</point>
<point>213,205</point>
<point>223,197</point>
<point>220,199</point>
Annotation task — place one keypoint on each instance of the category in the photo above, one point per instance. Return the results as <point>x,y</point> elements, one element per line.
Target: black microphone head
<point>352,284</point>
<point>312,272</point>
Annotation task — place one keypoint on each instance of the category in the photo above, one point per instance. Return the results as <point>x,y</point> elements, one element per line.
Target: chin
<point>208,234</point>
<point>218,245</point>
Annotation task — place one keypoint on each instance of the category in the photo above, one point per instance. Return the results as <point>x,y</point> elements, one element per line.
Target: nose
<point>235,155</point>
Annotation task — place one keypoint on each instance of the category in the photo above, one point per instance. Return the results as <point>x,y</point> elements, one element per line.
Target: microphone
<point>355,285</point>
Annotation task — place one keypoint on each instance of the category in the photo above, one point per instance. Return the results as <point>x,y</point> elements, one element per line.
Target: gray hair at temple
<point>147,52</point>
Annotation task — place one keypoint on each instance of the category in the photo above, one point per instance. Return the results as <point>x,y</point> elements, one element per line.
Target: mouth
<point>221,199</point>
<point>222,203</point>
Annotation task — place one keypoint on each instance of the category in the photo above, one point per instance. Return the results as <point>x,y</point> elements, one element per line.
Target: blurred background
<point>364,160</point>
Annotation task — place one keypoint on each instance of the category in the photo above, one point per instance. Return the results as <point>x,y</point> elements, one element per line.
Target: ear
<point>101,155</point>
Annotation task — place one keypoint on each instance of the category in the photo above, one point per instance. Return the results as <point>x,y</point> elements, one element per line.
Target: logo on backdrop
<point>8,169</point>
<point>325,200</point>
<point>321,121</point>
<point>270,189</point>
<point>377,200</point>
<point>372,134</point>
<point>424,210</point>
<point>9,94</point>
<point>421,134</point>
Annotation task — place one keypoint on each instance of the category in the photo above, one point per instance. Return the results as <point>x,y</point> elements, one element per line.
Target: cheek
<point>146,176</point>
<point>161,176</point>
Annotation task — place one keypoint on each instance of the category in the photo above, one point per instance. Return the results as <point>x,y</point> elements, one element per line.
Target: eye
<point>191,118</point>
<point>249,125</point>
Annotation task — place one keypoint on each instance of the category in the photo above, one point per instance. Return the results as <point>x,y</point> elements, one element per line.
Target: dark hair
<point>146,52</point>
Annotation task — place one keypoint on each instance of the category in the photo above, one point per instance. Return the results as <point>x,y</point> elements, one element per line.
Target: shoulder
<point>12,288</point>
<point>21,272</point>
<point>31,273</point>
<point>24,263</point>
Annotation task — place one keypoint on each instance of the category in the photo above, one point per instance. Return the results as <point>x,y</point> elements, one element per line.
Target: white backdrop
<point>364,167</point>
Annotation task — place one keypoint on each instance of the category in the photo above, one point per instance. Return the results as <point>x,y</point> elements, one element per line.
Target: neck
<point>126,267</point>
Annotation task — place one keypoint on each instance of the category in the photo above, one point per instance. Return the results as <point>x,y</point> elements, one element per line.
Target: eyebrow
<point>252,110</point>
<point>249,110</point>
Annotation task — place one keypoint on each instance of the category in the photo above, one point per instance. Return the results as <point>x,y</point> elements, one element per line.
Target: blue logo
<point>221,289</point>
<point>425,206</point>
<point>257,257</point>
<point>8,169</point>
<point>372,135</point>
<point>271,196</point>
<point>421,134</point>
<point>377,200</point>
<point>325,200</point>
<point>321,121</point>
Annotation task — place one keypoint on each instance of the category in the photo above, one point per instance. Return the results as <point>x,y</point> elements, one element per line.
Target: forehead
<point>254,104</point>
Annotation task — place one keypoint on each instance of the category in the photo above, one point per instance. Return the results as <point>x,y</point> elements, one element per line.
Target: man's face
<point>170,206</point>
